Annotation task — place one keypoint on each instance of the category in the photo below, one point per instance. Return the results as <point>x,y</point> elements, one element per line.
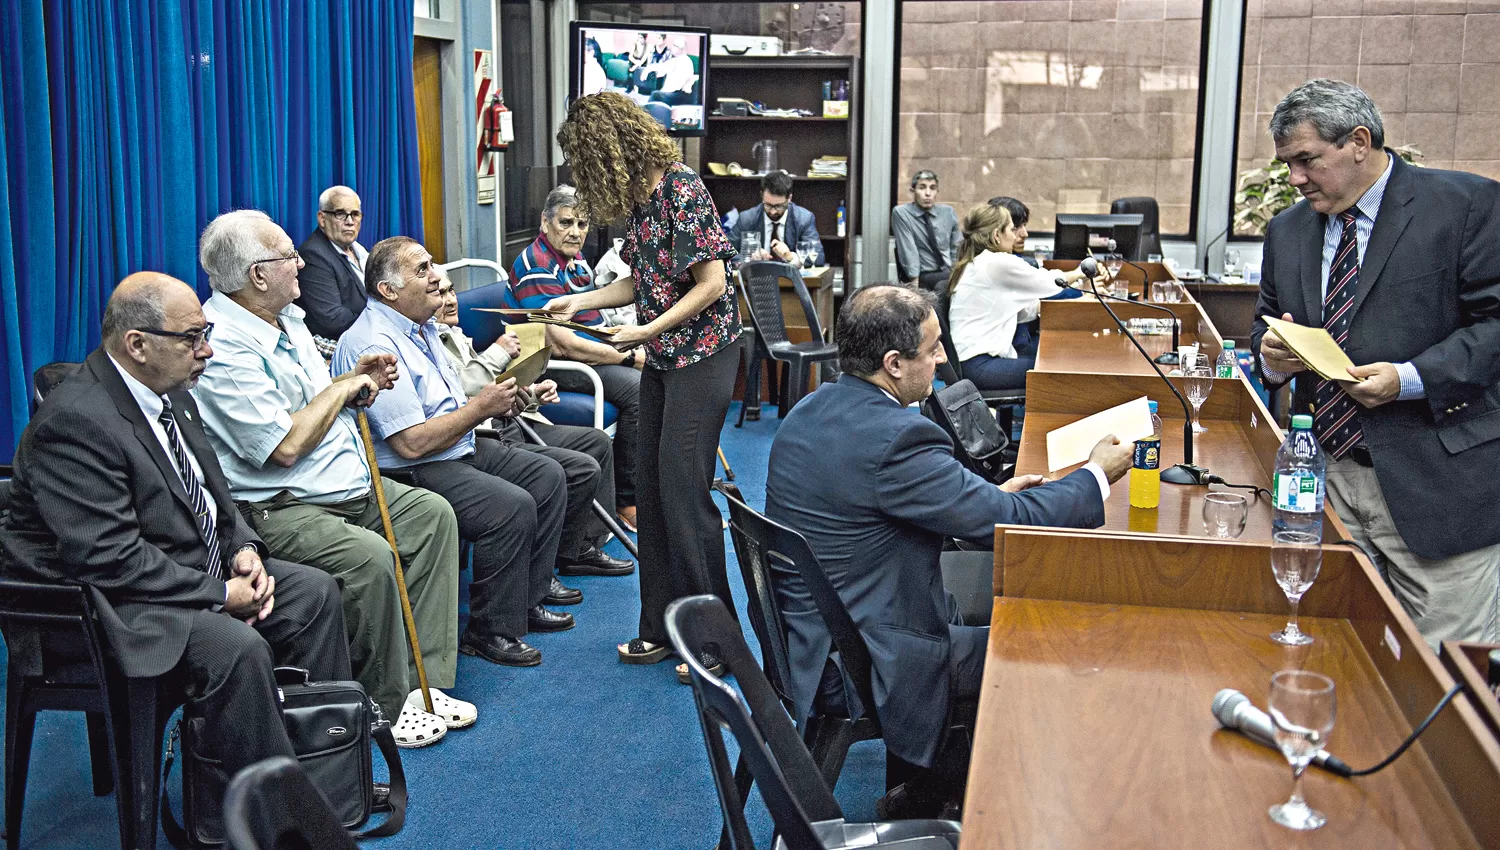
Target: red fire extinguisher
<point>499,130</point>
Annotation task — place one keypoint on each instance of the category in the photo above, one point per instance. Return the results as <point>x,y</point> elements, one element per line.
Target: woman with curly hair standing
<point>625,166</point>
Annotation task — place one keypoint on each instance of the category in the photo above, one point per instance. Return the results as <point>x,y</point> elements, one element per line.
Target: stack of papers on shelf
<point>829,166</point>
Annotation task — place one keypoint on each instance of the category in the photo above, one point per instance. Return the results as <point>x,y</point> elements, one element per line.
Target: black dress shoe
<point>595,563</point>
<point>539,619</point>
<point>500,649</point>
<point>561,594</point>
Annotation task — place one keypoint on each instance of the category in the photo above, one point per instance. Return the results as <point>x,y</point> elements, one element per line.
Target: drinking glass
<point>1112,264</point>
<point>1161,291</point>
<point>807,249</point>
<point>1231,261</point>
<point>1153,258</point>
<point>1296,557</point>
<point>749,244</point>
<point>1040,257</point>
<point>1198,379</point>
<point>1303,707</point>
<point>1224,514</point>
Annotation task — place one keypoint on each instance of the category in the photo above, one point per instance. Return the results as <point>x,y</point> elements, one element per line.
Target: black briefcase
<point>331,725</point>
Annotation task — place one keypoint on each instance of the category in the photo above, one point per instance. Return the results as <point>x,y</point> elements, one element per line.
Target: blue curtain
<point>129,124</point>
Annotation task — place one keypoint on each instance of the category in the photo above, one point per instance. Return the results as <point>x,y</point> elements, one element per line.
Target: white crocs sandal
<point>416,728</point>
<point>455,713</point>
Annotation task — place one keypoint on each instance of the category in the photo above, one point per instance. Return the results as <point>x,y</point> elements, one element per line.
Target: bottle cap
<point>1152,405</point>
<point>1302,421</point>
<point>1228,344</point>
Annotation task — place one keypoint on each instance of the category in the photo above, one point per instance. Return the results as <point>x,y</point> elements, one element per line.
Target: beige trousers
<point>1455,598</point>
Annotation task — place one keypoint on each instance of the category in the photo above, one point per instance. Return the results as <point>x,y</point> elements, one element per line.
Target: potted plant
<point>1263,192</point>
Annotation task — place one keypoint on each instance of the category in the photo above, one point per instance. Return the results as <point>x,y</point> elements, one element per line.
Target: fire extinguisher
<point>499,128</point>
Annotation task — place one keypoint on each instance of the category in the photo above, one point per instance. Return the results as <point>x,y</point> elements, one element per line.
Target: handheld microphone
<point>1183,473</point>
<point>1235,711</point>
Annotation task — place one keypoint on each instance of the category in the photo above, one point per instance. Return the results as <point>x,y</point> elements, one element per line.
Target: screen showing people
<point>661,69</point>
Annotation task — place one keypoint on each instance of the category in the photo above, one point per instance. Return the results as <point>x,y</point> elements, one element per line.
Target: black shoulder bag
<point>978,442</point>
<point>331,725</point>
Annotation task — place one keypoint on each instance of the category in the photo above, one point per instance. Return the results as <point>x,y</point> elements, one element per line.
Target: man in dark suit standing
<point>1402,266</point>
<point>117,489</point>
<point>781,225</point>
<point>333,281</point>
<point>875,488</point>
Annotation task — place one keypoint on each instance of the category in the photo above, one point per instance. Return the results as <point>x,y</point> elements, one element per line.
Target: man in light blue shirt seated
<point>510,503</point>
<point>285,434</point>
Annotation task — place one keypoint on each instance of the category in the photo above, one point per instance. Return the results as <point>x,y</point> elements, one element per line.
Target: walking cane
<point>728,473</point>
<point>390,537</point>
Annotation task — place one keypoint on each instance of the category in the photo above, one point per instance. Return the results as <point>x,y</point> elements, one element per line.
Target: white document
<point>1072,443</point>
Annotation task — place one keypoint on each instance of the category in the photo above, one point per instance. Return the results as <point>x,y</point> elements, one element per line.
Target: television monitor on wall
<point>1078,236</point>
<point>662,68</point>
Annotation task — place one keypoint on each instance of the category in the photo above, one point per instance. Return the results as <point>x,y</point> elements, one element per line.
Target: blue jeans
<point>998,373</point>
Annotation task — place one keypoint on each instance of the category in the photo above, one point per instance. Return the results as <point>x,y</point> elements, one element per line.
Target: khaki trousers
<point>1456,598</point>
<point>346,540</point>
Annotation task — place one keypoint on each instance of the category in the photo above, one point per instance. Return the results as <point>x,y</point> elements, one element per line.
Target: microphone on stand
<point>1183,473</point>
<point>1235,711</point>
<point>1168,359</point>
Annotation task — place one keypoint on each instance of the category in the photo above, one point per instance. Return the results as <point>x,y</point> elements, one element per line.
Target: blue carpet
<point>581,752</point>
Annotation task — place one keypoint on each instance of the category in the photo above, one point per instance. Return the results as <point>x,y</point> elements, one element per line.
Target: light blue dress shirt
<point>259,376</point>
<point>430,385</point>
<point>1366,209</point>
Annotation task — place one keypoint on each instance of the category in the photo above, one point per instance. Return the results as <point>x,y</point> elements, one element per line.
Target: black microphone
<point>1182,473</point>
<point>1235,711</point>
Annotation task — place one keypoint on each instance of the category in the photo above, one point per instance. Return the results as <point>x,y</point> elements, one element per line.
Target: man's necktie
<point>1334,418</point>
<point>196,499</point>
<point>942,262</point>
<point>775,232</point>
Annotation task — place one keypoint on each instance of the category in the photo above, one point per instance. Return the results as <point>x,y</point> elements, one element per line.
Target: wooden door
<point>427,71</point>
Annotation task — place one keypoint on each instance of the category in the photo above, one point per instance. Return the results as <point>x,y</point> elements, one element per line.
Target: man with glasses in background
<point>333,283</point>
<point>783,227</point>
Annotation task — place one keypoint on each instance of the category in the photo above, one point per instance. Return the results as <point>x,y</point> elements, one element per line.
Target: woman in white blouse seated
<point>990,291</point>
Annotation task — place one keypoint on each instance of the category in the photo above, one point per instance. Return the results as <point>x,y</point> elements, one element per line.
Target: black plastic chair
<point>806,815</point>
<point>272,805</point>
<point>761,283</point>
<point>1147,209</point>
<point>952,372</point>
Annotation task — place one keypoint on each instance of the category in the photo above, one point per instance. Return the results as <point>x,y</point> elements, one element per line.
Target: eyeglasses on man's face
<point>196,338</point>
<point>294,256</point>
<point>344,215</point>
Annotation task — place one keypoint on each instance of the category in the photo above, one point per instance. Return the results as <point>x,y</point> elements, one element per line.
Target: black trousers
<point>622,388</point>
<point>681,530</point>
<point>511,505</point>
<point>227,665</point>
<point>583,453</point>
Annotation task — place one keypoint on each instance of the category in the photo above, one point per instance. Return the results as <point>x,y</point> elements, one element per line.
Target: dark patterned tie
<point>199,502</point>
<point>775,232</point>
<point>1334,418</point>
<point>942,262</point>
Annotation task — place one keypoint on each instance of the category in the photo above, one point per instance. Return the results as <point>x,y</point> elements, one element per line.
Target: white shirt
<point>677,73</point>
<point>259,375</point>
<point>995,292</point>
<point>356,255</point>
<point>151,406</point>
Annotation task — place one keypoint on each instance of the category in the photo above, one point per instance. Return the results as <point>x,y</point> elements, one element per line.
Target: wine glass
<point>1198,379</point>
<point>1302,712</point>
<point>807,249</point>
<point>1224,514</point>
<point>1231,261</point>
<point>1296,557</point>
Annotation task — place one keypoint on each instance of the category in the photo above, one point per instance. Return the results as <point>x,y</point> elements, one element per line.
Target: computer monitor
<point>662,68</point>
<point>1078,236</point>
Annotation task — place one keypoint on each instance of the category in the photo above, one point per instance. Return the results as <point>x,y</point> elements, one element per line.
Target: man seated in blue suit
<point>875,488</point>
<point>781,225</point>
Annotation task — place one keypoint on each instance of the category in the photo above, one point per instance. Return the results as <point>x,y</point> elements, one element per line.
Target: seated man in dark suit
<point>117,489</point>
<point>875,488</point>
<point>782,226</point>
<point>333,281</point>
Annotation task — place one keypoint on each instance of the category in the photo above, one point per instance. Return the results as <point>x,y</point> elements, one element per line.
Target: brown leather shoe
<point>626,513</point>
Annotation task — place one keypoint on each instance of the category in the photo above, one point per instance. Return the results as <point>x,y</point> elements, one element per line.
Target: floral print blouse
<point>676,228</point>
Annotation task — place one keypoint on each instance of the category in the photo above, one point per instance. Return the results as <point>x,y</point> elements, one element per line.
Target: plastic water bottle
<point>1145,468</point>
<point>1224,367</point>
<point>840,220</point>
<point>1300,480</point>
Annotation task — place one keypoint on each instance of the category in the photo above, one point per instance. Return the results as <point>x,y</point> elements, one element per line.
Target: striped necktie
<point>199,502</point>
<point>1334,416</point>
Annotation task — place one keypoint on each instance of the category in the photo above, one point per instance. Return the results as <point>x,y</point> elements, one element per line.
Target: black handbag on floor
<point>331,725</point>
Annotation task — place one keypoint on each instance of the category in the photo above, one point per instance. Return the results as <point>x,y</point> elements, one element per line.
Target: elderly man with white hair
<point>333,288</point>
<point>286,436</point>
